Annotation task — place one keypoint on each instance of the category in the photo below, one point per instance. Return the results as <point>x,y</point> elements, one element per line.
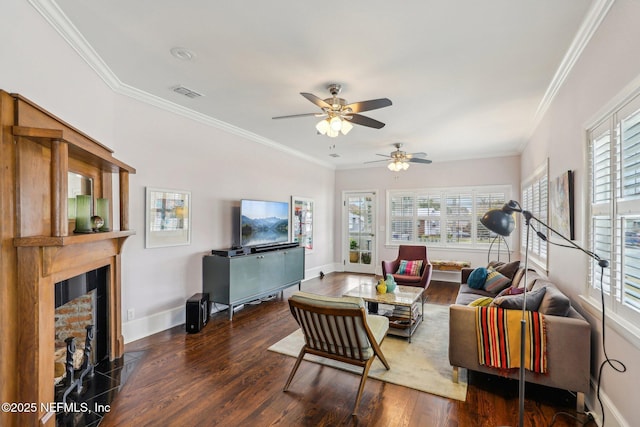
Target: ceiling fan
<point>338,116</point>
<point>399,160</point>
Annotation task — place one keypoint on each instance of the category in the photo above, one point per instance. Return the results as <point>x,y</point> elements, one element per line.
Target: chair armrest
<point>390,267</point>
<point>464,274</point>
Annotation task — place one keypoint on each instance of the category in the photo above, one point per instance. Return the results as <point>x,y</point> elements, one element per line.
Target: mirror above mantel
<point>79,185</point>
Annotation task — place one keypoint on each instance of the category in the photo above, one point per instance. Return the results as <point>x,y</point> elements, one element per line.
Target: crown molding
<point>588,28</point>
<point>52,13</point>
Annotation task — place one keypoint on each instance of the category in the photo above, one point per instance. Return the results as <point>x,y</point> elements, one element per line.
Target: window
<point>443,217</point>
<point>535,199</point>
<point>614,226</point>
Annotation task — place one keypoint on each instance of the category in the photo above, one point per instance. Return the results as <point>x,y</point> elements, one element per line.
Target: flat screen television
<point>263,222</point>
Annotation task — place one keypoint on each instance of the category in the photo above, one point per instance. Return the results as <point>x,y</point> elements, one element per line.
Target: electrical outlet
<point>131,314</point>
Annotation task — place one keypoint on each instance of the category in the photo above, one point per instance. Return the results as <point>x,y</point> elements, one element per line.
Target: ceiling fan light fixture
<point>398,165</point>
<point>322,127</point>
<point>332,133</point>
<point>345,127</point>
<point>335,123</point>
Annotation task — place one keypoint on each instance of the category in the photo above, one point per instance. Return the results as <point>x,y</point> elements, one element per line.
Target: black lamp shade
<point>499,221</point>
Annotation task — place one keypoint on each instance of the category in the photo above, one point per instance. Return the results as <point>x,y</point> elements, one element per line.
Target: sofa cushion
<point>406,279</point>
<point>495,281</point>
<point>514,302</point>
<point>477,278</point>
<point>554,302</point>
<point>409,268</point>
<point>467,294</point>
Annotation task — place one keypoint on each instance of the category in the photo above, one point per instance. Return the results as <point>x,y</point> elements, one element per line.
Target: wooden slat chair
<point>338,328</point>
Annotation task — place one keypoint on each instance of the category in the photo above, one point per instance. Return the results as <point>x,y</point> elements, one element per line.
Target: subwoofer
<point>197,314</point>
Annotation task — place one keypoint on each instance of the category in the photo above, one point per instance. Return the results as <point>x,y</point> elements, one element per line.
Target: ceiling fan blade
<point>318,101</point>
<point>376,161</point>
<point>424,161</point>
<point>384,155</point>
<point>366,121</point>
<point>419,155</point>
<point>299,115</point>
<point>372,104</point>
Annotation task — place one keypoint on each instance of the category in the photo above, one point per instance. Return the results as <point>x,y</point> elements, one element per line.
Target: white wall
<point>609,63</point>
<point>168,151</point>
<point>478,172</point>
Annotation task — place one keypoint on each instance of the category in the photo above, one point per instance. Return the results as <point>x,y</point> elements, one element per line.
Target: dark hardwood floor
<point>224,376</point>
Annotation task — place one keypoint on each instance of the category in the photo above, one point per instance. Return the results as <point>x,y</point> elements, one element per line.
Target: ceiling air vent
<point>186,92</point>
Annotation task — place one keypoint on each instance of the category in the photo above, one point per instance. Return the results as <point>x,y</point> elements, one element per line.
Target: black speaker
<point>197,312</point>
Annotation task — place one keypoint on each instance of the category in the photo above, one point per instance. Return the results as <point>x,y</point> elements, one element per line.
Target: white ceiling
<point>467,78</point>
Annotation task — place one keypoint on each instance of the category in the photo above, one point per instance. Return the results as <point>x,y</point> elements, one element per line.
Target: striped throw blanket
<point>498,332</point>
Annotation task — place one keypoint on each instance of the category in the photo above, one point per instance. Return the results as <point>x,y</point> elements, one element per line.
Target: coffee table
<point>407,302</point>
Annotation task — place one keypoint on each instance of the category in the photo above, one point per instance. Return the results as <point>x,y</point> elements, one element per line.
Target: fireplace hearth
<point>88,407</point>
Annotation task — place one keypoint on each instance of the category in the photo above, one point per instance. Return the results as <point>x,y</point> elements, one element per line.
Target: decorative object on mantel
<point>83,214</point>
<point>102,210</point>
<point>96,223</point>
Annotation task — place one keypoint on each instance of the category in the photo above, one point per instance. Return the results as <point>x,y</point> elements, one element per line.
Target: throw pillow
<point>481,302</point>
<point>477,278</point>
<point>514,302</point>
<point>511,291</point>
<point>554,303</point>
<point>495,281</point>
<point>508,270</point>
<point>409,268</point>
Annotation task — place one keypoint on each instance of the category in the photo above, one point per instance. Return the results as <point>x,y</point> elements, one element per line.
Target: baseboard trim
<point>612,414</point>
<point>140,328</point>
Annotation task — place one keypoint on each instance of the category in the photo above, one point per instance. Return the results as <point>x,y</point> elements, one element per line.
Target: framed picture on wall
<point>168,219</point>
<point>302,221</point>
<point>561,201</point>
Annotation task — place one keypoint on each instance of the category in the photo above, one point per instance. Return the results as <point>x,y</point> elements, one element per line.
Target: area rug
<point>422,364</point>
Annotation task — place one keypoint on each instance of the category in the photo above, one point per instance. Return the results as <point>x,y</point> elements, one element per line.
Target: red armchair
<point>409,253</point>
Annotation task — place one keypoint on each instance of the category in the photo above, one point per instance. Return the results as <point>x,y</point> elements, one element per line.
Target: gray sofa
<point>568,334</point>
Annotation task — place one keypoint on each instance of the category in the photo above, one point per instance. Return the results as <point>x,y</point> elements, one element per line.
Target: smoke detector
<point>182,53</point>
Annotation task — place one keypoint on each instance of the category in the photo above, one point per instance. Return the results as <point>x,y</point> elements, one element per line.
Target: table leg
<point>373,307</point>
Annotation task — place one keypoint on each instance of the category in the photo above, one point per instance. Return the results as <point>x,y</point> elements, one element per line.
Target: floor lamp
<point>501,222</point>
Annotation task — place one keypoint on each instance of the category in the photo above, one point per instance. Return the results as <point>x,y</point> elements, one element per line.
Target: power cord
<point>590,418</point>
<point>615,364</point>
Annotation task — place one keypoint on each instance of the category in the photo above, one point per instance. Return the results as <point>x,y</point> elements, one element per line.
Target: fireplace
<point>81,301</point>
<point>38,151</point>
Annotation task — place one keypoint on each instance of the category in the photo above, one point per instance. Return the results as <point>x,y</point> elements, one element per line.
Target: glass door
<point>360,239</point>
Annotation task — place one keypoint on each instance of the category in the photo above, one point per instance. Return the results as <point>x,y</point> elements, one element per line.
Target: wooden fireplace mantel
<point>39,249</point>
